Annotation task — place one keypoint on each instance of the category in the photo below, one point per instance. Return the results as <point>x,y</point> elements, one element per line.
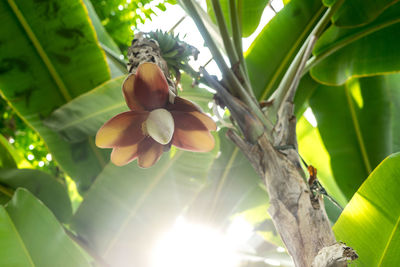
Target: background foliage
<point>60,80</point>
<point>121,17</point>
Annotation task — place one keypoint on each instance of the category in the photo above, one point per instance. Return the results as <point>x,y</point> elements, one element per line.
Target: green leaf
<point>392,83</point>
<point>328,2</point>
<point>342,53</point>
<point>50,61</point>
<point>102,35</point>
<point>117,66</point>
<point>45,187</point>
<point>83,116</point>
<point>272,51</point>
<point>233,187</point>
<point>354,121</point>
<point>332,210</point>
<point>7,159</point>
<point>195,93</point>
<point>305,90</point>
<point>359,12</point>
<point>31,236</point>
<point>314,152</point>
<point>11,157</point>
<point>5,195</point>
<point>127,208</point>
<point>13,251</point>
<point>161,6</point>
<point>370,222</point>
<point>111,49</point>
<point>249,12</point>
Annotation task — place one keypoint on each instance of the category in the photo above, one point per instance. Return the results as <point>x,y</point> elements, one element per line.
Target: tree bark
<point>299,217</point>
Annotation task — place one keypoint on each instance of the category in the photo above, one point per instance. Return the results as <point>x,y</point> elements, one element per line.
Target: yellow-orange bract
<point>147,96</point>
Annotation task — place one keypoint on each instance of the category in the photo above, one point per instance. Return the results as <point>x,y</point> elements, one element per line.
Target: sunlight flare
<point>310,117</point>
<point>198,245</point>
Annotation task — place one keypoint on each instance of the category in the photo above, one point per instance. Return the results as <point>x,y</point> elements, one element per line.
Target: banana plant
<point>309,114</point>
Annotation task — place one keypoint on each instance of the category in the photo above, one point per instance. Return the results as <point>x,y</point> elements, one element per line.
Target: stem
<point>290,76</point>
<point>320,27</point>
<point>194,74</point>
<point>191,9</point>
<point>228,74</point>
<point>233,54</point>
<point>233,57</point>
<point>251,126</point>
<point>176,24</point>
<point>208,62</point>
<point>278,96</point>
<point>292,89</point>
<point>236,29</point>
<point>237,41</point>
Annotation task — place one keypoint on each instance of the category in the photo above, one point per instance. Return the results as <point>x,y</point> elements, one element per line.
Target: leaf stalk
<point>292,76</point>
<point>233,82</point>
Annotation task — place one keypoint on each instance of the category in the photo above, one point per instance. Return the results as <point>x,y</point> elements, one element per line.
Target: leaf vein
<point>52,70</point>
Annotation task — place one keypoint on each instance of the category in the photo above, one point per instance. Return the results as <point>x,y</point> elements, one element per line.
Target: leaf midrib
<point>222,181</point>
<point>289,55</point>
<point>387,216</point>
<point>347,40</point>
<point>396,226</point>
<point>141,200</point>
<point>19,239</point>
<point>109,109</point>
<point>94,114</point>
<point>357,130</point>
<point>46,60</point>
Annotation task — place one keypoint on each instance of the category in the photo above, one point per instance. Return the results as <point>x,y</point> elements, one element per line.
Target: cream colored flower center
<point>160,125</point>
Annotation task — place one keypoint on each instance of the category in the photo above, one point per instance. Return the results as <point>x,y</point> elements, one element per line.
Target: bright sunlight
<point>197,245</point>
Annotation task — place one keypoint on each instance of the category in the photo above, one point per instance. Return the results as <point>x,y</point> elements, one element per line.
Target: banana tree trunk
<point>298,215</point>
